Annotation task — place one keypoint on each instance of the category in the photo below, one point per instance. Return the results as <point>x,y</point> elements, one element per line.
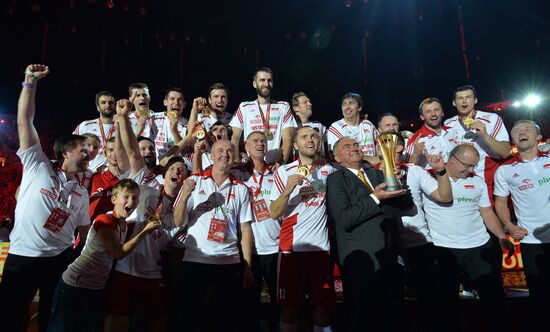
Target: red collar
<point>208,174</point>
<point>424,131</point>
<point>516,158</point>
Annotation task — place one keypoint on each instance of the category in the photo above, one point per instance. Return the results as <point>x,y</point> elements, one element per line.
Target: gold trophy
<point>388,145</point>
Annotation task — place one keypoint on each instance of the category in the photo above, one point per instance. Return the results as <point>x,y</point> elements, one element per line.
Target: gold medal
<point>268,134</point>
<point>206,110</point>
<point>303,170</point>
<point>152,218</point>
<point>468,122</point>
<point>172,115</point>
<point>200,134</point>
<point>143,113</point>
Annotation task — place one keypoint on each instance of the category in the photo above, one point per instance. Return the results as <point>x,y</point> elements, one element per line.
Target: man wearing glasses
<point>462,242</point>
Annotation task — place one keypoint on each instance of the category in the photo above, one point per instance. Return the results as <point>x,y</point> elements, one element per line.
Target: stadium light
<point>516,104</point>
<point>532,101</point>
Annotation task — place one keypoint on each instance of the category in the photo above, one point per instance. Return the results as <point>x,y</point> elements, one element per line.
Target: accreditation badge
<point>260,210</point>
<point>216,231</point>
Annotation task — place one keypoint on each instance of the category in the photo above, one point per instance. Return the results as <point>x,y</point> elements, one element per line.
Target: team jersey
<point>45,198</point>
<point>250,118</point>
<point>304,225</point>
<point>93,127</point>
<point>208,207</point>
<point>486,166</point>
<point>92,268</point>
<point>415,228</point>
<point>101,191</point>
<point>435,144</point>
<point>459,224</point>
<point>365,134</point>
<point>208,121</point>
<point>148,129</point>
<point>322,130</point>
<point>164,139</point>
<point>266,232</point>
<point>147,177</point>
<point>528,181</point>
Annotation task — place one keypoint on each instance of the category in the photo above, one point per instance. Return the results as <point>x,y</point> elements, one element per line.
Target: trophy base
<point>393,187</point>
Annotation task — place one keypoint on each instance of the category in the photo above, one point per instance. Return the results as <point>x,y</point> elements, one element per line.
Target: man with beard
<point>265,114</point>
<point>140,119</point>
<point>432,138</point>
<point>137,280</point>
<point>303,109</point>
<point>218,247</point>
<point>484,130</point>
<point>214,110</point>
<point>51,206</point>
<point>305,265</point>
<point>388,123</point>
<point>354,126</point>
<point>525,177</point>
<point>102,127</point>
<point>170,126</point>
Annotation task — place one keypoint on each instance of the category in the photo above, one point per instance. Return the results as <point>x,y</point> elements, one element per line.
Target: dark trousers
<point>480,266</point>
<point>536,263</point>
<point>77,309</point>
<point>373,298</point>
<point>21,278</point>
<point>207,297</point>
<point>264,268</point>
<point>422,280</point>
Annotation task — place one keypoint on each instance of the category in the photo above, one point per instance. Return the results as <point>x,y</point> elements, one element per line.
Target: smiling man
<point>170,126</point>
<point>432,138</point>
<point>525,178</point>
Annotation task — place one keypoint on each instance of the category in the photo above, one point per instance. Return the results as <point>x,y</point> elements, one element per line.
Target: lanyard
<point>160,205</point>
<point>264,121</point>
<point>257,193</point>
<point>226,200</point>
<point>58,183</point>
<point>109,134</point>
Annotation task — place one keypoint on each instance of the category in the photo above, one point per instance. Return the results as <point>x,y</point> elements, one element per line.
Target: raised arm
<point>127,136</point>
<point>180,208</point>
<point>28,136</point>
<point>498,148</point>
<point>123,163</point>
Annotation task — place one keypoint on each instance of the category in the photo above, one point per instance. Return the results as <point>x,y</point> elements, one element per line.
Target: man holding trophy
<point>363,204</point>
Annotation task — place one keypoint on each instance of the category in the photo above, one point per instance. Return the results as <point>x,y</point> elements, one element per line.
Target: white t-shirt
<point>304,226</point>
<point>248,119</point>
<point>208,121</point>
<point>146,177</point>
<point>229,202</point>
<point>164,139</point>
<point>266,232</point>
<point>92,268</point>
<point>365,134</point>
<point>528,181</point>
<point>148,130</point>
<point>459,224</point>
<point>486,166</point>
<point>435,144</point>
<point>42,190</point>
<point>415,230</point>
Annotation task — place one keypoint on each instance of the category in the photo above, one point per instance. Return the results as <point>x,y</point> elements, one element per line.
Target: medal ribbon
<point>267,112</point>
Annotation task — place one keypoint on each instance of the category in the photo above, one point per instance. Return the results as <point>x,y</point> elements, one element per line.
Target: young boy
<point>78,299</point>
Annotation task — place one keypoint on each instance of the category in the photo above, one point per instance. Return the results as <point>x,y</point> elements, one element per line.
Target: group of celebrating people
<point>151,221</point>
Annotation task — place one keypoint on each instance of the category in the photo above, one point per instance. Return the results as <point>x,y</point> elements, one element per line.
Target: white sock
<point>317,328</point>
<point>285,327</point>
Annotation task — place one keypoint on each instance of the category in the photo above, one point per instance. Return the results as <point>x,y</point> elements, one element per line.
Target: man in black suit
<point>366,234</point>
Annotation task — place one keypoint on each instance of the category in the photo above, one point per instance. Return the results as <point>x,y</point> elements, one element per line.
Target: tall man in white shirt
<point>354,125</point>
<point>274,118</point>
<point>484,130</point>
<point>170,126</point>
<point>259,179</point>
<point>51,206</point>
<point>305,265</point>
<point>218,214</point>
<point>526,177</point>
<point>433,138</point>
<point>459,231</point>
<point>140,119</point>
